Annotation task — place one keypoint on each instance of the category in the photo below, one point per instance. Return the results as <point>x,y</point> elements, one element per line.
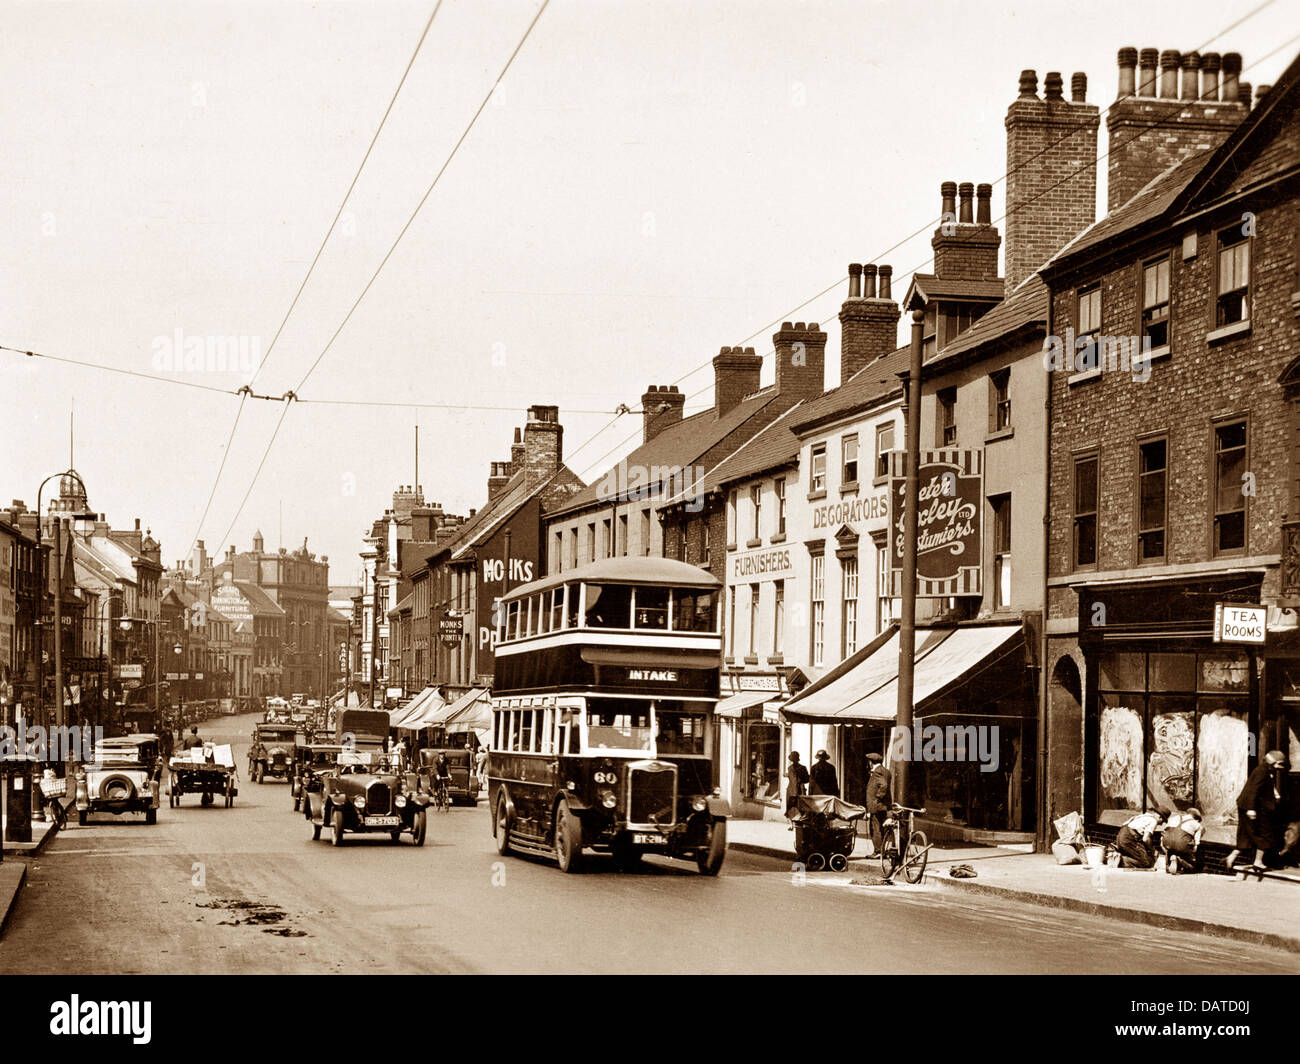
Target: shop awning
<point>868,690</point>
<point>471,712</point>
<point>733,708</point>
<point>402,716</point>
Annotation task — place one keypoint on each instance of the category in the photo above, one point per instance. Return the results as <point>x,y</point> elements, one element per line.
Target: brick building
<point>1174,331</point>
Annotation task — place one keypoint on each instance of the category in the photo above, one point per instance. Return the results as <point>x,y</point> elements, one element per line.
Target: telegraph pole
<point>907,622</point>
<point>58,623</point>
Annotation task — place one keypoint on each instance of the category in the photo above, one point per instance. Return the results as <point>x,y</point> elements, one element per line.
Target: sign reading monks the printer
<point>948,522</point>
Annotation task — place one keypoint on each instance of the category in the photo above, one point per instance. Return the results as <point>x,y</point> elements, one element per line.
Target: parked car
<point>272,751</point>
<point>123,778</point>
<point>364,796</point>
<point>311,762</point>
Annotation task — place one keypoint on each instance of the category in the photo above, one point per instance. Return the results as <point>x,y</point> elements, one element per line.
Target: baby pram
<point>824,831</point>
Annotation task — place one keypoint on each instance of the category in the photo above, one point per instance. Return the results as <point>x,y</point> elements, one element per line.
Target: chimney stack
<point>661,408</point>
<point>517,452</point>
<point>543,444</point>
<point>868,324</point>
<point>963,249</point>
<point>498,478</point>
<point>735,375</point>
<point>800,360</point>
<point>1052,169</point>
<point>1149,134</point>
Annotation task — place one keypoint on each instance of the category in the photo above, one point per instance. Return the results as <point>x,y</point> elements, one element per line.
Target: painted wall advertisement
<point>948,526</point>
<point>509,557</point>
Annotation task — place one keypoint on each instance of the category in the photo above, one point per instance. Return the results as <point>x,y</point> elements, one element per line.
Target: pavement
<point>13,870</point>
<point>1249,911</point>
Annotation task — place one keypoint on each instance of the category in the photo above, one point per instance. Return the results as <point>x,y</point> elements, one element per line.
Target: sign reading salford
<point>947,522</point>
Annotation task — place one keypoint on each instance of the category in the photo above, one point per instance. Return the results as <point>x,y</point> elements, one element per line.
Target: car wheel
<point>419,826</point>
<point>151,816</point>
<point>336,826</point>
<point>503,827</point>
<point>709,861</point>
<point>568,838</point>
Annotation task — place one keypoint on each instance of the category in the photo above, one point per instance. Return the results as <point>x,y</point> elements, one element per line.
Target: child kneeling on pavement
<point>1134,842</point>
<point>1181,841</point>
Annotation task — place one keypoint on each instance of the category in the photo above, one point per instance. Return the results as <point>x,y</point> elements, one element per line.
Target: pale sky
<point>655,180</point>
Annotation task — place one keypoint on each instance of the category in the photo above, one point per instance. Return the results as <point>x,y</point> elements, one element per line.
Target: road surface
<point>245,890</point>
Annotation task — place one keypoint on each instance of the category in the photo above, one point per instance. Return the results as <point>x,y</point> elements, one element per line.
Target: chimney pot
<point>1052,86</point>
<point>869,272</point>
<point>948,195</point>
<point>966,190</point>
<point>1079,88</point>
<point>1029,83</point>
<point>787,325</point>
<point>1147,60</point>
<point>1243,94</point>
<point>1261,92</point>
<point>1128,58</point>
<point>1210,63</point>
<point>886,273</point>
<point>1232,62</point>
<point>855,280</point>
<point>798,326</point>
<point>1170,60</point>
<point>983,194</point>
<point>1230,83</point>
<point>1188,86</point>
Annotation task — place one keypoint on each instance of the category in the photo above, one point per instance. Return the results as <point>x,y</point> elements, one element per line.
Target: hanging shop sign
<point>1239,624</point>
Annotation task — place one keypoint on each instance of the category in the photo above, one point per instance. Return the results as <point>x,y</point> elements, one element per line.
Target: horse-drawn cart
<point>209,772</point>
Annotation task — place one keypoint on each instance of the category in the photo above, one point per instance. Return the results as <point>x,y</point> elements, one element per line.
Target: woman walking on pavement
<point>1259,809</point>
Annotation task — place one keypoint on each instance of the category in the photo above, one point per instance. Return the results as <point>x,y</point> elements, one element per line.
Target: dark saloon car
<point>364,796</point>
<point>311,762</point>
<point>271,752</point>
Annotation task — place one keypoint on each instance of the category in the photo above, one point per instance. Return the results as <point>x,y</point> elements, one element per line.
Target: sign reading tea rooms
<point>949,509</point>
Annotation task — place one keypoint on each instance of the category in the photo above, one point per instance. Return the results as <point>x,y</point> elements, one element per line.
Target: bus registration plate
<point>383,821</point>
<point>649,838</point>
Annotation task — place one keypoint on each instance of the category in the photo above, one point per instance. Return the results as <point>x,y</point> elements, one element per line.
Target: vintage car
<point>312,761</point>
<point>364,796</point>
<point>123,778</point>
<point>272,751</point>
<point>464,784</point>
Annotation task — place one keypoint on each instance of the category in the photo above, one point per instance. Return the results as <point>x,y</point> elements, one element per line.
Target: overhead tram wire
<point>118,369</point>
<point>347,195</point>
<point>291,396</point>
<point>230,440</point>
<point>427,193</point>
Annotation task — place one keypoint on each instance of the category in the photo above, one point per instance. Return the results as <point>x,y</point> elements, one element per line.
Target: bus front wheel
<point>502,822</point>
<point>709,861</point>
<point>568,838</point>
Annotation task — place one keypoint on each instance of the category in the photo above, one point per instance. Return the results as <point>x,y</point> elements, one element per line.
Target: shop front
<point>1178,705</point>
<point>972,747</point>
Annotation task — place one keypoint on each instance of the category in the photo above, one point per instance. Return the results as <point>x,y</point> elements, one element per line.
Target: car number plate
<point>383,821</point>
<point>647,839</point>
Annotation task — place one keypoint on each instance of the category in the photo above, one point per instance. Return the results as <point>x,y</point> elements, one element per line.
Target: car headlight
<point>699,804</point>
<point>608,799</point>
<point>359,801</point>
<point>400,801</point>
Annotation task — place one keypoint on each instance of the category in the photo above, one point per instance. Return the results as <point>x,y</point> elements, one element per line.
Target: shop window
<point>1229,487</point>
<point>1152,479</point>
<point>763,762</point>
<point>1233,303</point>
<point>1173,732</point>
<point>1085,511</point>
<point>1155,303</point>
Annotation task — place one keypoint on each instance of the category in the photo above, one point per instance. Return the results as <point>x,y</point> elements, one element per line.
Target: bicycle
<point>894,855</point>
<point>441,795</point>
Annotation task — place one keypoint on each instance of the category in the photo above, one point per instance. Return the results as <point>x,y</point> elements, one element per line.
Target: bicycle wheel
<point>888,857</point>
<point>918,853</point>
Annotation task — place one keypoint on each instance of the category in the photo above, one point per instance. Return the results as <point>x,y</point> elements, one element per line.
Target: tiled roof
<point>875,381</point>
<point>933,287</point>
<point>260,601</point>
<point>475,530</point>
<point>678,447</point>
<point>1026,306</point>
<point>772,448</point>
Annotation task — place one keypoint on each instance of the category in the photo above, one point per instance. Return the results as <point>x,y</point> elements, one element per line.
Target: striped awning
<point>405,716</point>
<point>733,708</point>
<point>471,712</point>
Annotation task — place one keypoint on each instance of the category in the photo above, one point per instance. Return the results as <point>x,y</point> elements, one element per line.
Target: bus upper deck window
<point>693,611</point>
<point>609,606</point>
<point>652,607</point>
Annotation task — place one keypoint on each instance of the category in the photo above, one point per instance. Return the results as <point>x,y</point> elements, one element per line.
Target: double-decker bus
<point>602,715</point>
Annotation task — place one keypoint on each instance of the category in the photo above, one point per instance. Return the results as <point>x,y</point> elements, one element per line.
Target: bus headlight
<point>608,799</point>
<point>699,804</point>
